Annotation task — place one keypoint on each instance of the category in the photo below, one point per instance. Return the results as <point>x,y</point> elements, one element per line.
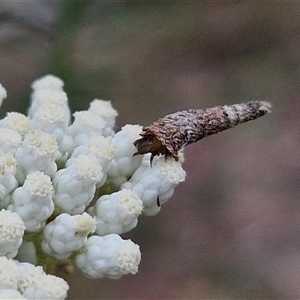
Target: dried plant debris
<point>169,134</point>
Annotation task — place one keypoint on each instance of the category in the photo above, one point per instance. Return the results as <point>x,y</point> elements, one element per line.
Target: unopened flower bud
<point>85,126</point>
<point>8,181</point>
<point>9,274</point>
<point>11,233</point>
<point>33,201</point>
<point>66,234</point>
<point>155,184</point>
<point>10,140</point>
<point>108,257</point>
<point>17,122</point>
<point>48,81</point>
<point>75,185</point>
<point>104,109</point>
<point>124,163</point>
<point>35,284</point>
<point>117,212</point>
<point>38,152</point>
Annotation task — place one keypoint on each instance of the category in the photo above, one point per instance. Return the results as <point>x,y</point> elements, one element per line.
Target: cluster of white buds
<point>69,190</point>
<point>22,280</point>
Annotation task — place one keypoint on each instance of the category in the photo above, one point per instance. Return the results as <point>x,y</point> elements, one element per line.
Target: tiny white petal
<point>36,284</point>
<point>9,274</point>
<point>172,171</point>
<point>48,287</point>
<point>54,119</point>
<point>132,130</point>
<point>48,96</point>
<point>124,163</point>
<point>16,121</point>
<point>47,82</point>
<point>89,119</point>
<point>75,185</point>
<point>104,109</point>
<point>86,225</point>
<point>8,164</point>
<point>8,181</point>
<point>33,201</point>
<point>102,146</point>
<point>30,275</point>
<point>108,257</point>
<point>37,152</point>
<point>87,166</point>
<point>128,257</point>
<point>38,184</point>
<point>85,126</point>
<point>117,212</point>
<point>11,233</point>
<point>155,184</point>
<point>51,113</point>
<point>66,234</point>
<point>41,143</point>
<point>10,140</point>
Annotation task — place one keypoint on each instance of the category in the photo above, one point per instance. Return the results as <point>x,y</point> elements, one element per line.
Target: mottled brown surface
<point>169,134</point>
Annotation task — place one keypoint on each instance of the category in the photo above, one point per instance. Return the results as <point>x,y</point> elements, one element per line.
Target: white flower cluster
<point>22,280</point>
<point>69,190</point>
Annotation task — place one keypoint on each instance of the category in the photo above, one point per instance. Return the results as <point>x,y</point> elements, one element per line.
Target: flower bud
<point>108,257</point>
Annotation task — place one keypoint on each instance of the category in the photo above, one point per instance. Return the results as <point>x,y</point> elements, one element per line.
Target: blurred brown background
<point>232,229</point>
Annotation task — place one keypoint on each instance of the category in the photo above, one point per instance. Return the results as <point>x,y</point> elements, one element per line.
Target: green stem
<point>47,262</point>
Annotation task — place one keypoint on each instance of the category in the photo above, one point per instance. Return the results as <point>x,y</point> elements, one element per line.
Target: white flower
<point>30,275</point>
<point>36,284</point>
<point>10,140</point>
<point>8,182</point>
<point>47,82</point>
<point>85,126</point>
<point>155,185</point>
<point>50,117</point>
<point>117,212</point>
<point>51,172</point>
<point>66,234</point>
<point>103,149</point>
<point>16,121</point>
<point>99,146</point>
<point>124,163</point>
<point>53,119</point>
<point>48,287</point>
<point>33,201</point>
<point>11,233</point>
<point>48,96</point>
<point>108,257</point>
<point>3,93</point>
<point>104,109</point>
<point>9,274</point>
<point>38,152</point>
<point>76,184</point>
